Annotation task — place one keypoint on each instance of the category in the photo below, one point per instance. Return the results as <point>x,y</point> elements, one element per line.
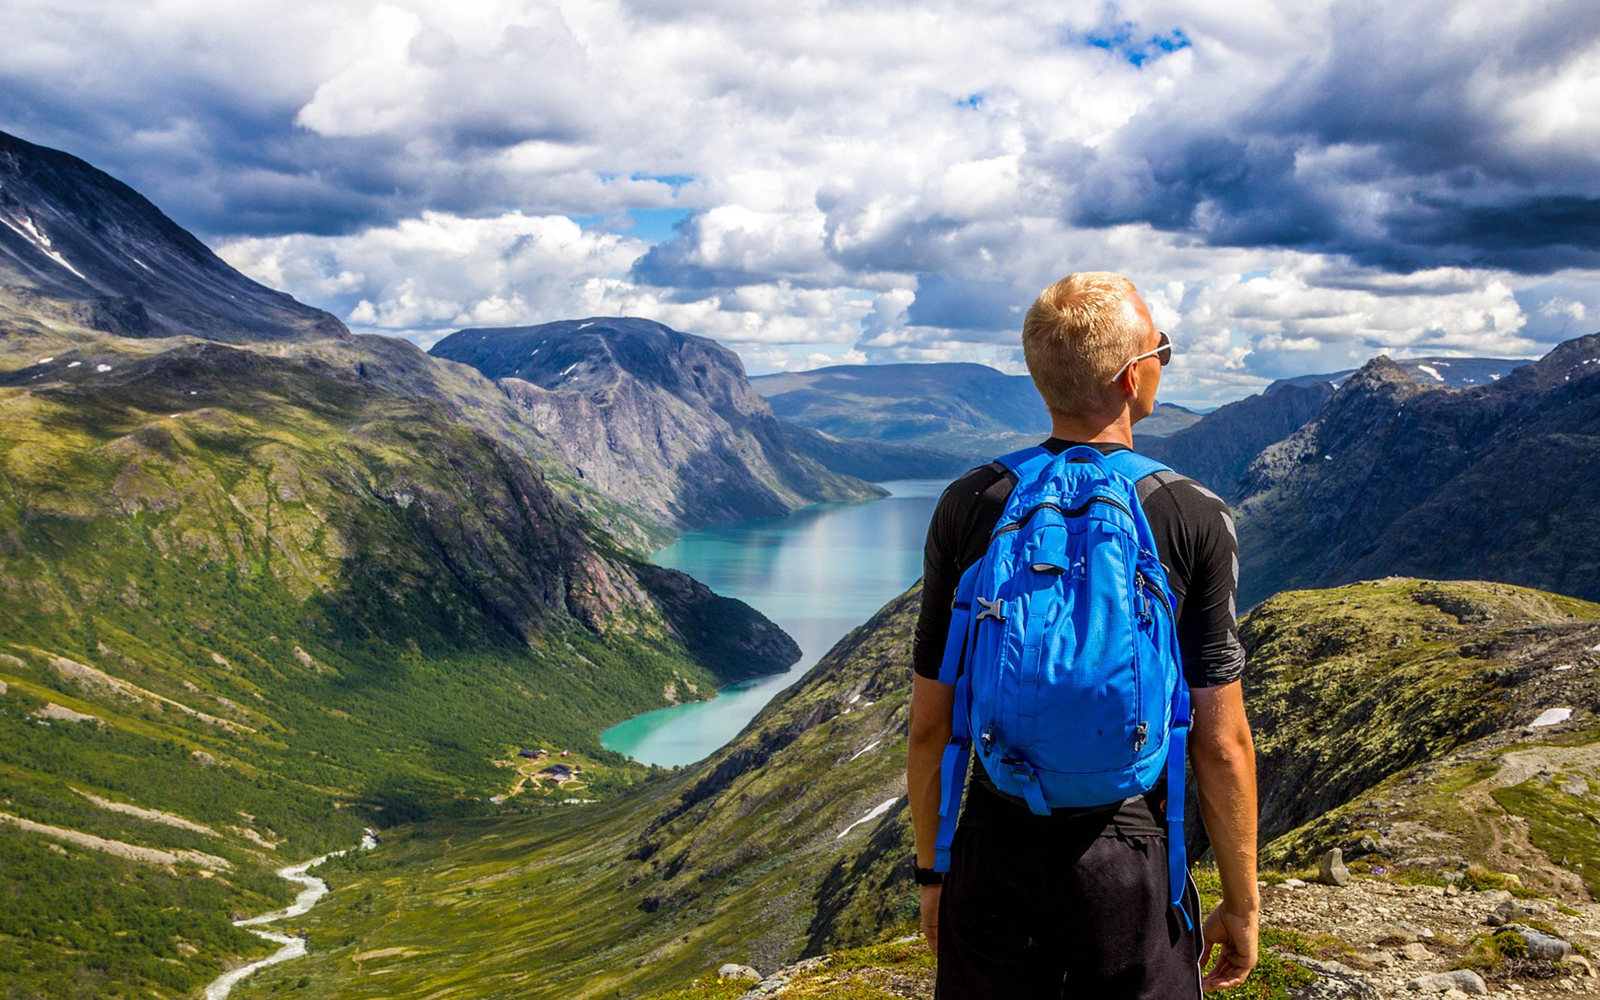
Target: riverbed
<point>313,889</point>
<point>817,572</point>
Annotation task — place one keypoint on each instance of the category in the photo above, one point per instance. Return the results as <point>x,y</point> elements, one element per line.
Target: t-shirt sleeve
<point>958,533</point>
<point>1200,547</point>
<point>939,579</point>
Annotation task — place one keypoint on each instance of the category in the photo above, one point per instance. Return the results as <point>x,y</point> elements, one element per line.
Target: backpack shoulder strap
<point>1134,465</point>
<point>1019,465</point>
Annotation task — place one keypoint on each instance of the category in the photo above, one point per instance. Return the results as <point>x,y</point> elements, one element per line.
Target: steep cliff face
<point>1217,450</point>
<point>79,247</point>
<point>1484,482</point>
<point>659,421</point>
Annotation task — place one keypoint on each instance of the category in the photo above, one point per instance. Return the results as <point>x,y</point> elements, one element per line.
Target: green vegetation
<point>1565,828</point>
<point>268,597</point>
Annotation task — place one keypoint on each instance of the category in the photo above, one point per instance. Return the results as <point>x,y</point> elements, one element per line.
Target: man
<point>1075,904</point>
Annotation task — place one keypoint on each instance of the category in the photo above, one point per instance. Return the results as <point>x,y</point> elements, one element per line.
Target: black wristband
<point>926,876</point>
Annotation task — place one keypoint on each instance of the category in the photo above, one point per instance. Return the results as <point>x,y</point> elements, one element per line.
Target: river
<point>313,889</point>
<point>818,572</point>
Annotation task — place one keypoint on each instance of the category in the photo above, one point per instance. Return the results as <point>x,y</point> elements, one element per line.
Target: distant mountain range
<point>1390,477</point>
<point>1457,373</point>
<point>969,411</point>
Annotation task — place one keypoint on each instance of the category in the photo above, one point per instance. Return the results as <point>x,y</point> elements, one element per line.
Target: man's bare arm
<point>931,705</point>
<point>1223,756</point>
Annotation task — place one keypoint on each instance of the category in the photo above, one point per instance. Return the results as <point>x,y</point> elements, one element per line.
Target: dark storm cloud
<point>955,303</point>
<point>1407,143</point>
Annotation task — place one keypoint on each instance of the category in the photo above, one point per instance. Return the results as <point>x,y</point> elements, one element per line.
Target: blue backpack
<point>1063,650</point>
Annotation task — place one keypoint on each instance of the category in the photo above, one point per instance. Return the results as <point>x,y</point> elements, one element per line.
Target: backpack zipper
<point>1078,511</point>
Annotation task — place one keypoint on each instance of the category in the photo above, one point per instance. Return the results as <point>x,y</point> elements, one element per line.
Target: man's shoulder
<point>972,484</point>
<point>1184,491</point>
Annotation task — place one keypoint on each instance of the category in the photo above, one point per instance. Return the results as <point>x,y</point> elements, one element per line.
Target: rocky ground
<point>1370,938</point>
<point>1377,938</point>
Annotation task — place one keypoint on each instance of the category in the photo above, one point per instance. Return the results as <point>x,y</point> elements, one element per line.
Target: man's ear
<point>1128,381</point>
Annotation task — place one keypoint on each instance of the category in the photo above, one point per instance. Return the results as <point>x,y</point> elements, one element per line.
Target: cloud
<point>1419,136</point>
<point>1291,184</point>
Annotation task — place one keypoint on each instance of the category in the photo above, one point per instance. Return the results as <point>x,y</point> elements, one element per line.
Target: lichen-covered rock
<point>1513,909</point>
<point>735,971</point>
<point>1540,944</point>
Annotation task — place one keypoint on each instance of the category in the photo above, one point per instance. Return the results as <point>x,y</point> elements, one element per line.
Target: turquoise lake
<point>818,572</point>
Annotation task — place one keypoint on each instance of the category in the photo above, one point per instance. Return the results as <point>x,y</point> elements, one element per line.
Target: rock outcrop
<point>661,422</point>
<point>1488,482</point>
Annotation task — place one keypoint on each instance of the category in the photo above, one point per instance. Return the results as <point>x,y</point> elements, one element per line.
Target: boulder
<point>1332,870</point>
<point>1513,909</point>
<point>1335,981</point>
<point>1540,944</point>
<point>1465,980</point>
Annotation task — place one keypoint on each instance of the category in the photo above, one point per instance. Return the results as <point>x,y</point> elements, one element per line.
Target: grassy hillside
<point>276,596</point>
<point>1365,699</point>
<point>788,841</point>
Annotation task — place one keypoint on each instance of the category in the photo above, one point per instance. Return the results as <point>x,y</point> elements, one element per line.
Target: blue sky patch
<point>653,225</point>
<point>1132,45</point>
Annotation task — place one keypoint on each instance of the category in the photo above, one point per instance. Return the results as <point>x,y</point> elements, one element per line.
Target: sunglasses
<point>1162,352</point>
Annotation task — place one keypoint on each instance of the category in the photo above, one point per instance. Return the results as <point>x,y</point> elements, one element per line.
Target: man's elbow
<point>1231,749</point>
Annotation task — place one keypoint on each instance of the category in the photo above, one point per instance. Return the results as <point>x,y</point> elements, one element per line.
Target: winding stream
<point>293,947</point>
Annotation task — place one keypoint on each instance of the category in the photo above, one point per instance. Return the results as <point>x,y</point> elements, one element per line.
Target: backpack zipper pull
<point>1144,598</point>
<point>1141,734</point>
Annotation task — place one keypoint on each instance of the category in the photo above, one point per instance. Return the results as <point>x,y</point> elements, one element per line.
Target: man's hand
<point>930,915</point>
<point>1234,937</point>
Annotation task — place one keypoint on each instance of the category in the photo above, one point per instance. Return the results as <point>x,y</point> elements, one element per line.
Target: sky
<point>1294,187</point>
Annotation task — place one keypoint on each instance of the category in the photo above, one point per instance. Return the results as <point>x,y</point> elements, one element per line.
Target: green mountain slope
<point>776,847</point>
<point>789,840</point>
<point>268,586</point>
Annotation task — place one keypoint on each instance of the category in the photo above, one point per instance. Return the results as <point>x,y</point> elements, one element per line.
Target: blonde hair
<point>1076,336</point>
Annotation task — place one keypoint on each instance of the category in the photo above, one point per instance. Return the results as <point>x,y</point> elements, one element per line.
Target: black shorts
<point>1026,916</point>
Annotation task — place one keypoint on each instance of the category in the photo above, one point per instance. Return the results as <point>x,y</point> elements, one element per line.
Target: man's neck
<point>1117,430</point>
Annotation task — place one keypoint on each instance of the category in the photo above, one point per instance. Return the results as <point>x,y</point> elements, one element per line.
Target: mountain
<point>1457,373</point>
<point>661,422</point>
<point>256,595</point>
<point>791,841</point>
<point>970,411</point>
<point>1390,477</point>
<point>79,247</point>
<point>1218,448</point>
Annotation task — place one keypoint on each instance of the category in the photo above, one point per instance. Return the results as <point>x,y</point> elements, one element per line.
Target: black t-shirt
<point>1198,547</point>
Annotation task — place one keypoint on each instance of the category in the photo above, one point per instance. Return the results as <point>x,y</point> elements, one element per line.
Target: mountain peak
<point>79,247</point>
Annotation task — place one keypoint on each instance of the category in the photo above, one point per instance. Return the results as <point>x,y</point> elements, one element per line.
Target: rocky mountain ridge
<point>1390,477</point>
<point>79,247</point>
<point>661,422</point>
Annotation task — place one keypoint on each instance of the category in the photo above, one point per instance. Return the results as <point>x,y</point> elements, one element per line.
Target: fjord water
<point>818,572</point>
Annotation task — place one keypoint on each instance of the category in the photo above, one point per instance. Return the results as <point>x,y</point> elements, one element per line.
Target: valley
<point>265,584</point>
